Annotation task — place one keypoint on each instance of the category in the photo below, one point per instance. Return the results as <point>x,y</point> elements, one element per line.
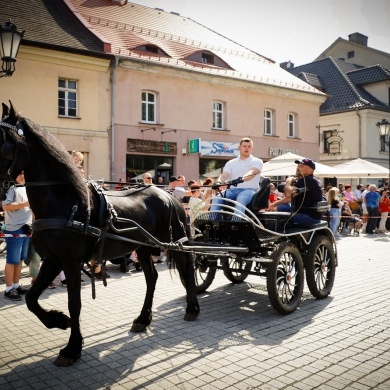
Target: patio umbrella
<point>360,168</point>
<point>284,165</point>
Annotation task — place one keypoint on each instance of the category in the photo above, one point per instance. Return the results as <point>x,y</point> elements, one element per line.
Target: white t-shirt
<point>238,168</point>
<point>196,205</point>
<point>357,193</point>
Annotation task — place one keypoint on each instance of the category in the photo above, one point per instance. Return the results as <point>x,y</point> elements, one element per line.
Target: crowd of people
<point>364,209</point>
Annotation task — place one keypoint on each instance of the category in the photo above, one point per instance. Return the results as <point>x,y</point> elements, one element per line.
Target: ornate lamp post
<point>384,133</point>
<point>10,39</point>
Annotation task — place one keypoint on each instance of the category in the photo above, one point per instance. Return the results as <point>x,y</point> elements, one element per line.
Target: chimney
<point>286,65</point>
<point>358,38</point>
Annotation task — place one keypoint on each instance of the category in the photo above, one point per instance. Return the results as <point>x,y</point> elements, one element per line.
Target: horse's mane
<point>61,159</point>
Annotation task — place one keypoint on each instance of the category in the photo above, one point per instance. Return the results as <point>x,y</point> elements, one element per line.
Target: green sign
<point>194,145</point>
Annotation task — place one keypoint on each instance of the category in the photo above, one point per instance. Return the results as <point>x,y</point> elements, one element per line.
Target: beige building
<point>357,51</point>
<point>357,80</point>
<point>62,80</point>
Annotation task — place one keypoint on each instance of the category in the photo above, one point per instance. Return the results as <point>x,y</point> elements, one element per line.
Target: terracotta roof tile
<point>131,25</point>
<point>49,22</point>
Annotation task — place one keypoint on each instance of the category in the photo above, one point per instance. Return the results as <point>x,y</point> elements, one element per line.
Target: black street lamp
<point>10,39</point>
<point>384,133</point>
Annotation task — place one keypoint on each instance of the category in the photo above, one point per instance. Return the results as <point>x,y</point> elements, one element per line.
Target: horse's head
<point>11,144</point>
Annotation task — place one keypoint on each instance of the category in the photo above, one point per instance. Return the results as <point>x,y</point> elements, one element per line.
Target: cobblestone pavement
<point>238,342</point>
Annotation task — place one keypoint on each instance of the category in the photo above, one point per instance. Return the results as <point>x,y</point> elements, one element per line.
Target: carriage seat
<point>274,220</point>
<point>261,198</point>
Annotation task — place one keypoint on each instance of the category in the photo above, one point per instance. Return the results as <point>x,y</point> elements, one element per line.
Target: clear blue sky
<point>288,30</point>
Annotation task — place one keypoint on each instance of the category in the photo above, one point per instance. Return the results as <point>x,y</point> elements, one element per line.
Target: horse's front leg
<point>145,318</point>
<point>52,318</point>
<point>72,351</point>
<point>185,266</point>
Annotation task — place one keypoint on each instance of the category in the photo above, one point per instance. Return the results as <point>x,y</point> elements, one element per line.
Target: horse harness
<point>107,215</point>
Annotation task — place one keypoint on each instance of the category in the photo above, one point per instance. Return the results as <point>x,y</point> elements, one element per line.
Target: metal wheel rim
<point>321,267</point>
<point>286,277</point>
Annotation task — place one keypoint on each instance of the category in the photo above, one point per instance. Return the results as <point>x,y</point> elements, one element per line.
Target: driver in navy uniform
<point>305,203</point>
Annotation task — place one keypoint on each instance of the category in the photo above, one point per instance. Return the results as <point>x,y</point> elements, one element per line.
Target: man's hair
<point>246,139</point>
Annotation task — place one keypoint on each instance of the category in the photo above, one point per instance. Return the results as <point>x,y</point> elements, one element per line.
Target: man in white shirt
<point>244,175</point>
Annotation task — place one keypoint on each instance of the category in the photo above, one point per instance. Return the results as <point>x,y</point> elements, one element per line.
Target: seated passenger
<point>244,174</point>
<point>304,205</point>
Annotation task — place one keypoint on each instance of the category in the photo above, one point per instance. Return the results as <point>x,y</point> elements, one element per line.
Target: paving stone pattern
<point>238,342</point>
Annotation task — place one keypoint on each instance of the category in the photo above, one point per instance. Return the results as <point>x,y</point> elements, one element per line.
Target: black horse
<point>73,225</point>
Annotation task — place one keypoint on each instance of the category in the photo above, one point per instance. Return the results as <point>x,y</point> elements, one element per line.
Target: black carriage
<point>266,244</point>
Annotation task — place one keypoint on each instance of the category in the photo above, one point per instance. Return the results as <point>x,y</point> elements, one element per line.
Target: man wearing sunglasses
<point>147,178</point>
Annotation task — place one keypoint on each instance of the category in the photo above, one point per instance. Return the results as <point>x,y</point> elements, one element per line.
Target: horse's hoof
<point>63,361</point>
<point>138,328</point>
<point>190,316</point>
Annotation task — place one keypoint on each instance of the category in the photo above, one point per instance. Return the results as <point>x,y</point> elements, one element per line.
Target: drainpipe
<point>112,76</point>
<point>360,132</point>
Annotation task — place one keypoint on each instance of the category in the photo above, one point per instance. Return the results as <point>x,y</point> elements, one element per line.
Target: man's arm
<point>223,176</point>
<point>250,174</point>
<point>15,206</point>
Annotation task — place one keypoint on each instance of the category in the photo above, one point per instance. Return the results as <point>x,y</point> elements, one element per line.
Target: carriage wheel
<point>3,245</point>
<point>320,267</point>
<point>204,274</point>
<point>285,278</point>
<point>236,269</point>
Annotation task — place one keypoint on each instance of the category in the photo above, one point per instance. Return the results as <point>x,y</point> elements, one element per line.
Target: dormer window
<point>207,58</point>
<point>151,49</point>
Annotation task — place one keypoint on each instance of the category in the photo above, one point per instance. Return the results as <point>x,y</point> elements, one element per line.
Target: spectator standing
<point>335,210</point>
<point>372,202</point>
<point>119,186</point>
<point>384,208</point>
<point>364,207</point>
<point>17,213</point>
<point>147,178</point>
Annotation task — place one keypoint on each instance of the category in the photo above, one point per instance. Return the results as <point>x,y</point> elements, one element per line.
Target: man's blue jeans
<point>241,195</point>
<point>305,219</point>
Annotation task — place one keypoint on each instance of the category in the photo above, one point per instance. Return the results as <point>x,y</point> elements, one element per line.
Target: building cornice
<point>61,58</point>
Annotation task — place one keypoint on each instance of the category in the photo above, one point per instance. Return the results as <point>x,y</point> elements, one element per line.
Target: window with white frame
<point>267,122</point>
<point>291,125</point>
<point>67,98</point>
<point>149,104</point>
<point>218,114</point>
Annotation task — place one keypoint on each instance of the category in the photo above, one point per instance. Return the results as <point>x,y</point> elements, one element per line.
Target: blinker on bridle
<point>6,182</point>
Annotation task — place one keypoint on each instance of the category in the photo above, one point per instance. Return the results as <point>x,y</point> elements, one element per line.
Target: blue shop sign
<point>219,149</point>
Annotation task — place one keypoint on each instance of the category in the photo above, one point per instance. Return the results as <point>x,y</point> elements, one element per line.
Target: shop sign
<point>151,147</point>
<point>275,152</point>
<point>194,145</point>
<point>334,144</point>
<point>219,149</point>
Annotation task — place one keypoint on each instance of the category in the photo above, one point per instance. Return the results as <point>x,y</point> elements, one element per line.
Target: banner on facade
<point>154,147</point>
<point>219,149</point>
